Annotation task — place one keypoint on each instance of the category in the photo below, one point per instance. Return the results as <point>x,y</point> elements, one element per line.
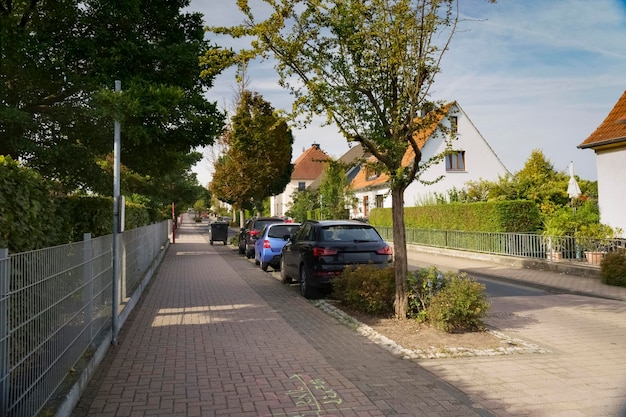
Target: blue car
<point>269,244</point>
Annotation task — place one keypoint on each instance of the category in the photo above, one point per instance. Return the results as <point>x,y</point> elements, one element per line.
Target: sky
<point>530,74</point>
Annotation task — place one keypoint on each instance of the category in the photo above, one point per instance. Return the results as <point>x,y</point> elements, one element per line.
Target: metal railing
<point>509,244</point>
<point>56,307</point>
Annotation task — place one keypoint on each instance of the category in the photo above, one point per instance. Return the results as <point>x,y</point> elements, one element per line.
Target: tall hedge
<point>34,215</point>
<point>519,216</point>
<point>27,209</point>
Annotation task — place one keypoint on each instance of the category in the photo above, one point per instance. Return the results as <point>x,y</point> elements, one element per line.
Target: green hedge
<point>27,211</point>
<point>518,216</point>
<point>33,214</point>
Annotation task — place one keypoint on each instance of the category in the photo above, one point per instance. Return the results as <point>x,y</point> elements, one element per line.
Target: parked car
<point>270,242</point>
<point>251,230</point>
<point>320,250</point>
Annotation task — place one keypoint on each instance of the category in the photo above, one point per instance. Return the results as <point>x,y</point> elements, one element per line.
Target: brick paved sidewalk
<point>215,336</point>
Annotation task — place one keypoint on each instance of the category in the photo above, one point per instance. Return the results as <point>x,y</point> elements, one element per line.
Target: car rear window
<point>282,230</point>
<point>349,234</point>
<point>260,224</point>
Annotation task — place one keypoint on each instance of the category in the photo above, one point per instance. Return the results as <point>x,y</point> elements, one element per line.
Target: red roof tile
<point>310,164</point>
<point>612,131</point>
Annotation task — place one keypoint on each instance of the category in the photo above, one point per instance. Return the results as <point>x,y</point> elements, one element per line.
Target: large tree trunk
<point>399,243</point>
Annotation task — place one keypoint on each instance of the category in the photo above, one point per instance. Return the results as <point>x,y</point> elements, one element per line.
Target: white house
<point>472,159</point>
<point>608,141</point>
<point>307,168</point>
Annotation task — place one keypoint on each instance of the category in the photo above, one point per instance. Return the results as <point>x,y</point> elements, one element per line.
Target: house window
<point>380,200</point>
<point>301,186</point>
<point>455,161</point>
<point>454,124</point>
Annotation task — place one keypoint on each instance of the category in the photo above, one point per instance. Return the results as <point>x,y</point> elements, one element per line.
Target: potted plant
<point>592,239</point>
<point>555,230</point>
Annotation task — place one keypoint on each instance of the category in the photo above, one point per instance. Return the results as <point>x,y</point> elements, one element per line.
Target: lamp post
<point>116,224</point>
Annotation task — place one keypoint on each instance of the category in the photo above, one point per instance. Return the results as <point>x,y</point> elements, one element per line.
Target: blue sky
<point>530,74</point>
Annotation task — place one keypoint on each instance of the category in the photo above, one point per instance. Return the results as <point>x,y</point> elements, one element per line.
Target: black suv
<point>320,250</point>
<point>248,234</point>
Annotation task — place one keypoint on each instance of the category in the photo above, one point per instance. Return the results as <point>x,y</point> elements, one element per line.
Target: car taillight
<point>266,244</point>
<point>254,232</point>
<point>323,252</point>
<point>385,251</point>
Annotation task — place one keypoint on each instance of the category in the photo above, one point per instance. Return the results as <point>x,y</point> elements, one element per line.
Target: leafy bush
<point>613,268</point>
<point>422,285</point>
<point>367,289</point>
<point>458,306</point>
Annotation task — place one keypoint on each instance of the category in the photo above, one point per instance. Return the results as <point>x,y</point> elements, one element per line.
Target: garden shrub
<point>367,289</point>
<point>458,306</point>
<point>613,268</point>
<point>422,285</point>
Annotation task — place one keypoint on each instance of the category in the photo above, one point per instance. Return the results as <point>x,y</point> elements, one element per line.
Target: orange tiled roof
<point>309,165</point>
<point>364,179</point>
<point>609,132</point>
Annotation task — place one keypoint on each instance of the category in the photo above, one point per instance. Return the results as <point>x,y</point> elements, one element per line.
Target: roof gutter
<point>602,143</point>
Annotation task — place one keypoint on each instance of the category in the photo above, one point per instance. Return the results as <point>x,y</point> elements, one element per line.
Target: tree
<point>368,65</point>
<point>302,204</point>
<point>258,161</point>
<point>59,62</point>
<point>335,196</point>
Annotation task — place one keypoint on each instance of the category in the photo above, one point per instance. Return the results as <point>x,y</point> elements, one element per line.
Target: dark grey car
<point>249,233</point>
<point>320,250</point>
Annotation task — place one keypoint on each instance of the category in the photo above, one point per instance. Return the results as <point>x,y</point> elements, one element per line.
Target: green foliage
<point>59,62</point>
<point>302,204</point>
<point>33,216</point>
<point>334,191</point>
<point>450,302</point>
<point>495,216</point>
<point>367,289</point>
<point>257,164</point>
<point>458,306</point>
<point>613,268</point>
<point>594,237</point>
<point>537,181</point>
<point>27,208</point>
<point>422,285</point>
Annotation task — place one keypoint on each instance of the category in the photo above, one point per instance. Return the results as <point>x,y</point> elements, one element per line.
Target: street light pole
<point>116,224</point>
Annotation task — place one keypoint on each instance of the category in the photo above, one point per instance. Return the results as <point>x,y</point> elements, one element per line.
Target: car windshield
<point>350,234</point>
<point>281,230</point>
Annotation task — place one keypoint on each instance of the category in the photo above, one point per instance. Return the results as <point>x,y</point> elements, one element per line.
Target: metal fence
<point>56,307</point>
<point>552,248</point>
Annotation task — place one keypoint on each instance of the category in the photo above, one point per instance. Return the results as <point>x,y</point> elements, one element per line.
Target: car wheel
<point>286,279</point>
<point>264,266</point>
<point>305,286</point>
<point>241,250</point>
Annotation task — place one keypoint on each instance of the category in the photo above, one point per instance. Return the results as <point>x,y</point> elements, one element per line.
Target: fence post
<point>4,330</point>
<point>88,281</point>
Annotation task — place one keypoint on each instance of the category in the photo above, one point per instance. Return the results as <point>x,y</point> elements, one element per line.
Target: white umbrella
<point>573,190</point>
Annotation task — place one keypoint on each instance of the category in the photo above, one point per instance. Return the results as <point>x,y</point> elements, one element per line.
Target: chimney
<point>316,145</point>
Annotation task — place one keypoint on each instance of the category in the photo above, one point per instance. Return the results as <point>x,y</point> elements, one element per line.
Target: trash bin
<point>219,232</point>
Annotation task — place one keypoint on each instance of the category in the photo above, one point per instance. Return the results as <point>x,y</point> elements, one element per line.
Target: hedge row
<point>33,214</point>
<point>518,216</point>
